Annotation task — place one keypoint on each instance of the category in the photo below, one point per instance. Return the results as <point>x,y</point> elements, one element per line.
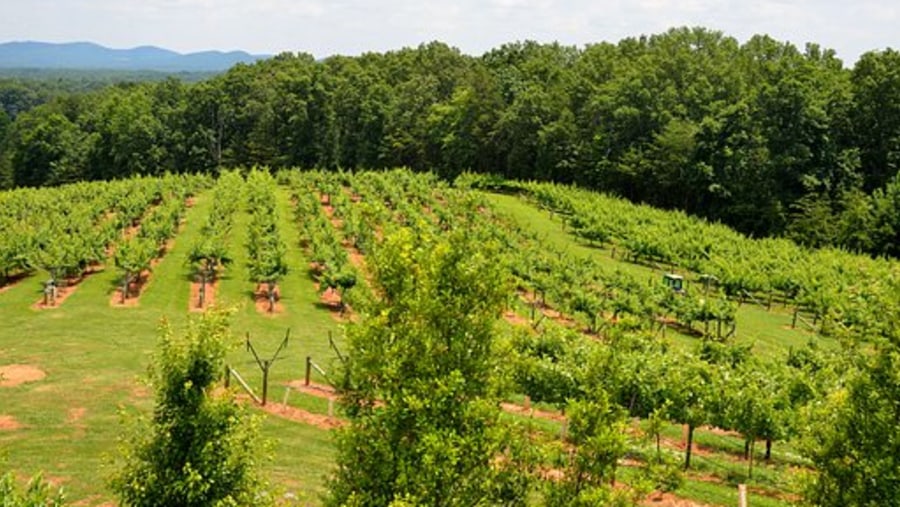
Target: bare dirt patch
<point>669,500</point>
<point>140,391</point>
<point>67,288</point>
<point>14,374</point>
<point>303,416</point>
<point>209,299</point>
<point>724,433</point>
<point>9,423</point>
<point>260,296</point>
<point>331,299</point>
<point>134,292</point>
<point>314,389</point>
<point>696,449</point>
<point>515,319</point>
<point>356,258</point>
<point>93,501</point>
<point>74,418</point>
<point>75,414</point>
<point>532,412</point>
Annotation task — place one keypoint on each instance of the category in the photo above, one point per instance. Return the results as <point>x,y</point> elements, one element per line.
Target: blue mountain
<point>87,55</point>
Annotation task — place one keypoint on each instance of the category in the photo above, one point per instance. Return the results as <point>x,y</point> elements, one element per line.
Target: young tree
<point>693,389</point>
<point>596,434</point>
<point>134,256</point>
<point>340,281</point>
<point>853,440</point>
<point>206,257</point>
<point>200,448</point>
<point>268,267</point>
<point>424,415</point>
<point>37,493</point>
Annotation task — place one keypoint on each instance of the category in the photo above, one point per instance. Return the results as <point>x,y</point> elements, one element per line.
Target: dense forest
<point>763,136</point>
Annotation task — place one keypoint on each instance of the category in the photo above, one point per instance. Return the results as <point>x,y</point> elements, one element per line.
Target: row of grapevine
<point>328,251</point>
<point>67,230</point>
<point>209,254</point>
<point>852,293</point>
<point>135,253</point>
<point>265,247</point>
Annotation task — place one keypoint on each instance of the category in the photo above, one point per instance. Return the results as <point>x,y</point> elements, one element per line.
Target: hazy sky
<point>326,27</point>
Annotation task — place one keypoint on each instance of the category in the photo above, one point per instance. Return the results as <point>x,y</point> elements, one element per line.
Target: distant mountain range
<point>87,55</point>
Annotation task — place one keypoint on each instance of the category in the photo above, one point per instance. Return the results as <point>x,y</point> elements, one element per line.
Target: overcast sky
<point>327,27</point>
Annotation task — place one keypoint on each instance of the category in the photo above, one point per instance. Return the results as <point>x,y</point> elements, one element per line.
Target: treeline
<point>763,136</point>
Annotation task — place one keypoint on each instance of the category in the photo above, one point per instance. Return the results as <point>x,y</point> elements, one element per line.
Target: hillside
<point>86,55</point>
<point>586,311</point>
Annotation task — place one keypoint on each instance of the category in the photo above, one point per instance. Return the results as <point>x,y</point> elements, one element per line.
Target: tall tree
<point>876,115</point>
<point>420,393</point>
<point>200,448</point>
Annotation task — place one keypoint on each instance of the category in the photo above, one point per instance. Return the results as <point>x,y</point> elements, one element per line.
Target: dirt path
<point>314,389</point>
<point>304,416</point>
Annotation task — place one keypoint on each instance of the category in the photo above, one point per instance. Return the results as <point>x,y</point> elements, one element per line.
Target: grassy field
<point>94,356</point>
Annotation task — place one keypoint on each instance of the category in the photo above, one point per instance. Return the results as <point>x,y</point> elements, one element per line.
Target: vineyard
<point>642,354</point>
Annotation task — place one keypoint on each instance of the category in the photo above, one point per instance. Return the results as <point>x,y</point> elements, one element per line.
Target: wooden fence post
<point>742,495</point>
<point>265,392</point>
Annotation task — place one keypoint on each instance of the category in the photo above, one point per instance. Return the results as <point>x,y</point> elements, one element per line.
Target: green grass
<point>768,330</point>
<point>94,356</point>
<point>713,493</point>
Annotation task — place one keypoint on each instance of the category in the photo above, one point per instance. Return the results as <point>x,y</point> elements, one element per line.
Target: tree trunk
<point>271,294</point>
<point>202,298</point>
<point>768,449</point>
<point>690,445</point>
<point>746,449</point>
<point>53,276</point>
<point>127,279</point>
<point>750,470</point>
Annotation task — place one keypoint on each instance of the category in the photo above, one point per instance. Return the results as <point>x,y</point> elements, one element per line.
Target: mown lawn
<point>95,355</point>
